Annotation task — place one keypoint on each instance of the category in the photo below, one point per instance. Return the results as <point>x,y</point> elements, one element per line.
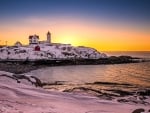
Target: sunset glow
<point>102,33</point>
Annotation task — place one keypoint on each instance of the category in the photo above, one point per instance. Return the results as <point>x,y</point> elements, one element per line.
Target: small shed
<point>18,44</point>
<point>37,48</point>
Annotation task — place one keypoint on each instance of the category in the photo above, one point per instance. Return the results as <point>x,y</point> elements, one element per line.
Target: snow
<point>59,51</point>
<point>25,98</point>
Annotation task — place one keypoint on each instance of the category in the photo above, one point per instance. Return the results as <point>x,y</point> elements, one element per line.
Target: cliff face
<point>50,52</point>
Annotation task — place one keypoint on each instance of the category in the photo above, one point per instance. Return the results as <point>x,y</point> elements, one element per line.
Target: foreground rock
<point>138,111</point>
<point>19,96</point>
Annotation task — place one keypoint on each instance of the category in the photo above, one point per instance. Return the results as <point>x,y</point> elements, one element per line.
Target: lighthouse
<point>48,37</point>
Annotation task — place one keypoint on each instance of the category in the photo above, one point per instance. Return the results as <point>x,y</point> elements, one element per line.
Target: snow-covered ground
<point>26,98</point>
<point>49,52</point>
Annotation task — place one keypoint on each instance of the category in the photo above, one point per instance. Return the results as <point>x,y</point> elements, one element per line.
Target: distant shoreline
<point>23,66</point>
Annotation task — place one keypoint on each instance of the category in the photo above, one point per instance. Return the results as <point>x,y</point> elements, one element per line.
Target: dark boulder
<point>140,110</point>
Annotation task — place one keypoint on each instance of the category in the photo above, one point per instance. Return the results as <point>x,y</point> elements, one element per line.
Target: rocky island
<point>23,58</point>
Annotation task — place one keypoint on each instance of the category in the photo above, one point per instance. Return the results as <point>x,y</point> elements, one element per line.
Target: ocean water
<point>140,54</point>
<point>133,73</point>
<point>117,75</point>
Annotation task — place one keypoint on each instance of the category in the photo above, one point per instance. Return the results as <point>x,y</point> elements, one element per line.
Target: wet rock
<point>83,89</point>
<point>38,81</point>
<point>133,99</point>
<point>105,96</point>
<point>19,76</point>
<point>53,83</point>
<point>140,110</point>
<point>122,100</point>
<point>123,93</point>
<point>9,76</point>
<point>109,83</point>
<point>144,92</point>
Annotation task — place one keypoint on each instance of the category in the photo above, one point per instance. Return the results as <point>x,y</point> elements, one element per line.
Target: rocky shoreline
<point>18,95</point>
<point>137,96</point>
<point>23,66</point>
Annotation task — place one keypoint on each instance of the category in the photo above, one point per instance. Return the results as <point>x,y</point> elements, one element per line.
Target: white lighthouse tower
<point>48,37</point>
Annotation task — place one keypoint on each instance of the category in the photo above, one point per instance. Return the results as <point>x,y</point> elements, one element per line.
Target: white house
<point>33,39</point>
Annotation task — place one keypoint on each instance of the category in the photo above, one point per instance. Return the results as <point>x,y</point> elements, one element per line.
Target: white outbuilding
<point>18,44</point>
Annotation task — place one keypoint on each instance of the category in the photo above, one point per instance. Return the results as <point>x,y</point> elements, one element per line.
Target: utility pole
<point>6,43</point>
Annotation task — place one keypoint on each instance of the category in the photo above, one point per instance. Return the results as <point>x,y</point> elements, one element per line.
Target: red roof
<point>31,36</point>
<point>37,48</point>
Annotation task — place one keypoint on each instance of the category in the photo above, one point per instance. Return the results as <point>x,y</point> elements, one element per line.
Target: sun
<point>68,38</point>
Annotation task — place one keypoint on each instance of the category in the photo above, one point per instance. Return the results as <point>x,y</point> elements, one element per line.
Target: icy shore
<point>22,97</point>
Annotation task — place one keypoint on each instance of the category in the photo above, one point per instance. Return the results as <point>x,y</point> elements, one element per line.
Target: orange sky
<point>102,35</point>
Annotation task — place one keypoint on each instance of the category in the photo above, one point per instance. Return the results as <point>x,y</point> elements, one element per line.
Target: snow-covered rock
<point>25,98</point>
<point>49,52</point>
